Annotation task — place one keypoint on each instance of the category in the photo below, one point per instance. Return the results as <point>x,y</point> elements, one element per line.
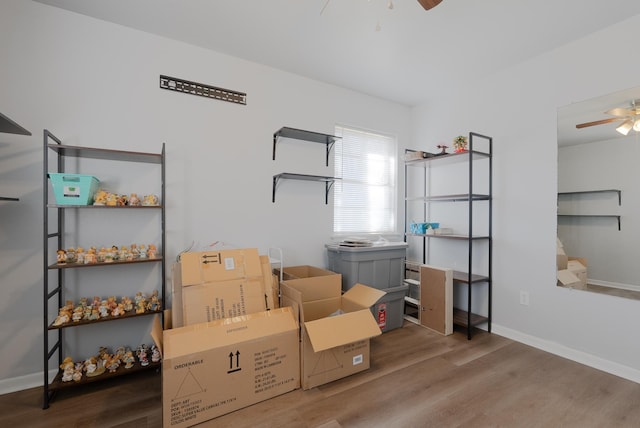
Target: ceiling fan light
<point>625,127</point>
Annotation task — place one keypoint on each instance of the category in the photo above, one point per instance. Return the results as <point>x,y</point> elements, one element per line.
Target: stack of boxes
<point>233,343</point>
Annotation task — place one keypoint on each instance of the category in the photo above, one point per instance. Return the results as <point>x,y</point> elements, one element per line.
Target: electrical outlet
<point>524,298</point>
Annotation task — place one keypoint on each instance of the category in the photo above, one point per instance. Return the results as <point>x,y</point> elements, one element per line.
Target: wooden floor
<point>417,379</point>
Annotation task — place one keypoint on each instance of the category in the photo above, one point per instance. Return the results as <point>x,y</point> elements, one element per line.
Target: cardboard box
<point>212,285</point>
<point>312,274</point>
<point>199,267</point>
<point>224,299</point>
<point>215,368</point>
<point>568,279</point>
<point>331,347</point>
<point>561,258</point>
<point>578,266</point>
<point>436,308</point>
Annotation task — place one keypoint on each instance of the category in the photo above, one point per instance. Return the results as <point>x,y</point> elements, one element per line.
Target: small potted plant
<point>460,144</point>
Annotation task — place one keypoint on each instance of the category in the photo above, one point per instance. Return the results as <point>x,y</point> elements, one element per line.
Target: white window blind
<point>365,198</point>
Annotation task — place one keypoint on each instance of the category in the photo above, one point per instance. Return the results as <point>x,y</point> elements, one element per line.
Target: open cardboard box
<point>214,368</point>
<point>331,347</point>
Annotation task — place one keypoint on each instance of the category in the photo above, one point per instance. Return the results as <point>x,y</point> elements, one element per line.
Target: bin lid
<point>376,246</point>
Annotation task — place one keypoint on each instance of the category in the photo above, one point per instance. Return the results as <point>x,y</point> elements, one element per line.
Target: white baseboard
<point>610,284</point>
<point>21,383</point>
<point>598,363</point>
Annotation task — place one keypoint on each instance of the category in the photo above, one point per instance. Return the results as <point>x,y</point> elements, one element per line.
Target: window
<point>365,198</point>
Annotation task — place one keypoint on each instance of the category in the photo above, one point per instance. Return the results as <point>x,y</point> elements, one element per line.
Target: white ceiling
<point>415,54</point>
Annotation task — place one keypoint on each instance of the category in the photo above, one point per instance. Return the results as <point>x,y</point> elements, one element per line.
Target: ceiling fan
<point>630,118</point>
<point>428,4</point>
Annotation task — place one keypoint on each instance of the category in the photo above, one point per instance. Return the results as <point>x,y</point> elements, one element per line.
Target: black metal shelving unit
<point>54,289</point>
<point>464,317</point>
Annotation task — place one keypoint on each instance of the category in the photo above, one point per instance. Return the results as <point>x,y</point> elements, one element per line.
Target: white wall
<point>93,83</point>
<point>96,84</point>
<point>611,164</point>
<point>518,108</point>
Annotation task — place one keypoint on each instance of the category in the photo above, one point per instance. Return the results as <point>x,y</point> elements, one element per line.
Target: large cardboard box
<point>199,267</point>
<point>213,285</point>
<point>331,347</point>
<point>215,368</point>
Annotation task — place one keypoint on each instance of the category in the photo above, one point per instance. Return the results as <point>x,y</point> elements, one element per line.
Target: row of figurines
<point>106,361</point>
<point>106,255</point>
<point>103,197</point>
<point>109,307</point>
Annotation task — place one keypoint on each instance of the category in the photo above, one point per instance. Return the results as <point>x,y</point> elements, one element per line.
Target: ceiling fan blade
<point>620,112</point>
<point>598,122</point>
<point>428,4</point>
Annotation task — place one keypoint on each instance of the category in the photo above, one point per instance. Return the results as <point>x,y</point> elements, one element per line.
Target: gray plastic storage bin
<point>389,310</point>
<point>379,266</point>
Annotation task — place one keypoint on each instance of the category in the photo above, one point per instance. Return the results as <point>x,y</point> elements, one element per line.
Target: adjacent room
<point>319,213</point>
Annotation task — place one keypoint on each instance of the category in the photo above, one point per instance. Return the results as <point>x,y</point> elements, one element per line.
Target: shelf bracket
<point>328,185</point>
<point>331,141</point>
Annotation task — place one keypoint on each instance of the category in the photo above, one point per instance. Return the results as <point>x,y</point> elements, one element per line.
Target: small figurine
<point>96,302</point>
<point>154,302</point>
<point>86,316</point>
<point>78,313</point>
<point>100,197</point>
<point>68,369</point>
<point>101,256</point>
<point>127,304</point>
<point>108,255</point>
<point>143,355</point>
<point>95,315</point>
<point>155,354</point>
<point>112,364</point>
<point>104,309</point>
<point>142,252</point>
<point>64,314</point>
<point>62,257</point>
<point>80,255</point>
<point>150,200</point>
<point>115,252</point>
<point>135,253</point>
<point>112,200</point>
<point>90,257</point>
<point>93,367</point>
<point>123,253</point>
<point>121,201</point>
<point>77,372</point>
<point>152,251</point>
<point>71,255</point>
<point>443,149</point>
<point>118,310</point>
<point>134,200</point>
<point>141,306</point>
<point>128,359</point>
